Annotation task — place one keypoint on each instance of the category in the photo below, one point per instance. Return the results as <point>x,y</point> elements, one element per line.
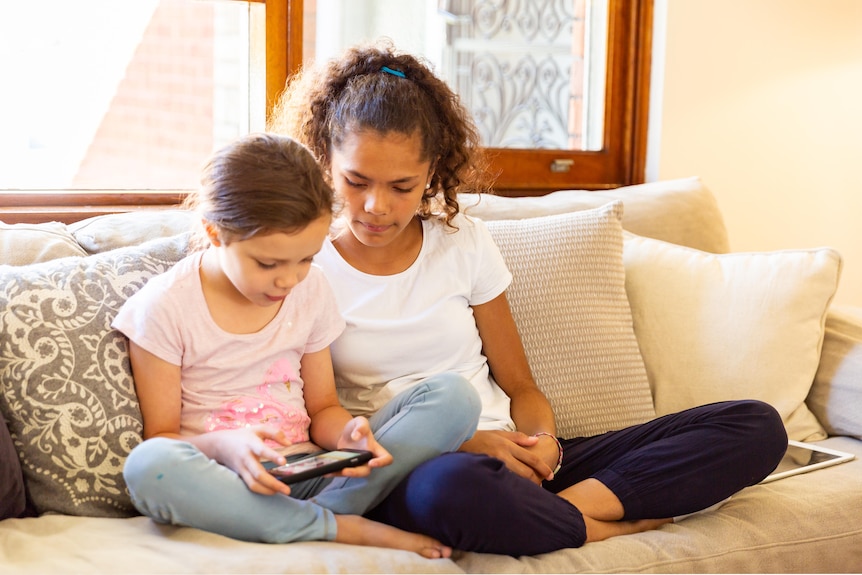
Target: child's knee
<point>446,485</point>
<point>766,421</point>
<point>759,428</point>
<point>146,464</point>
<point>773,434</point>
<point>459,395</point>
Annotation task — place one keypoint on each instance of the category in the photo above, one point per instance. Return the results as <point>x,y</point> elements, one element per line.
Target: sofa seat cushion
<point>66,544</point>
<point>803,524</point>
<point>66,386</point>
<point>731,326</point>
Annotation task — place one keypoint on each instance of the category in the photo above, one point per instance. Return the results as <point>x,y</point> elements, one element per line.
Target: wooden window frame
<point>622,160</point>
<point>521,172</point>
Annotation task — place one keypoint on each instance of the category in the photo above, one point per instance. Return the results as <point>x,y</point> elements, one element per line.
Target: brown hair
<point>354,93</point>
<point>261,183</point>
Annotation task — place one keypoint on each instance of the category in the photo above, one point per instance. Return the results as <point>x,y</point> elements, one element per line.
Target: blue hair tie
<point>389,70</point>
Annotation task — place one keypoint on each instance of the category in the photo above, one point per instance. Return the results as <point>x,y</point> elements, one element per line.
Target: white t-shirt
<point>232,380</point>
<point>404,328</point>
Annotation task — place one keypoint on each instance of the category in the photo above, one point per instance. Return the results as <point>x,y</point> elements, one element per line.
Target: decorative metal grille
<point>518,66</point>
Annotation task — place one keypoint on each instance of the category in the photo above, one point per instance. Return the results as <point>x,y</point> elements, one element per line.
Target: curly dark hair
<point>322,104</point>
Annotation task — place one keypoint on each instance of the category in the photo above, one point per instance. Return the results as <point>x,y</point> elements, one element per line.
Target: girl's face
<point>264,268</point>
<point>380,179</point>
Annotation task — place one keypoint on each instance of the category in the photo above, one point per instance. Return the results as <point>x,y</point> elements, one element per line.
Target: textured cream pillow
<point>569,302</point>
<point>731,326</point>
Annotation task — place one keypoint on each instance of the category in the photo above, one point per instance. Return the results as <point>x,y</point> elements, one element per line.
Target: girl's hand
<point>357,435</point>
<point>242,450</point>
<point>523,454</point>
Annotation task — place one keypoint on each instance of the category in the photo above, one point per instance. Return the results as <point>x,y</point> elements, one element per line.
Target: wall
<point>763,100</point>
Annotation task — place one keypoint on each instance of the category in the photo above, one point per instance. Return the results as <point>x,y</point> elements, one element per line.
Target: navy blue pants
<point>673,465</point>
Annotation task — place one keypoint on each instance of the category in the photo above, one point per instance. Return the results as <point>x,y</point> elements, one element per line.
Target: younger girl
<point>230,354</point>
<point>398,147</point>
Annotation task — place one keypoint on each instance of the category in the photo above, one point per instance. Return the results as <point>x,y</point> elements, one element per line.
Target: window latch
<point>561,165</point>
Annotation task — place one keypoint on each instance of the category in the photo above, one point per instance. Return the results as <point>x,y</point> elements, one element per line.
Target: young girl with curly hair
<point>423,290</point>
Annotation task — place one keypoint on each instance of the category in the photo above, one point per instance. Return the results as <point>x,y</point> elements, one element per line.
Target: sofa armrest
<point>836,395</point>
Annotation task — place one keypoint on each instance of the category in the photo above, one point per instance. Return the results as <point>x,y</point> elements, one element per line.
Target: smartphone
<point>316,464</point>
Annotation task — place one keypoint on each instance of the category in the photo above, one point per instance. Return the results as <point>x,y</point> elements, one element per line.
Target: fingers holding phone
<point>242,450</point>
<point>357,434</point>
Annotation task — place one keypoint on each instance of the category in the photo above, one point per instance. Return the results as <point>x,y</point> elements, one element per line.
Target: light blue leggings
<point>171,481</point>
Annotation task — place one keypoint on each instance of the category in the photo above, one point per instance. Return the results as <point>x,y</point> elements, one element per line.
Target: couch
<point>630,303</point>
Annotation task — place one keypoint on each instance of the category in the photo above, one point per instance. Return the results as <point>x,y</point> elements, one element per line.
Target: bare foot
<point>600,530</point>
<point>358,530</point>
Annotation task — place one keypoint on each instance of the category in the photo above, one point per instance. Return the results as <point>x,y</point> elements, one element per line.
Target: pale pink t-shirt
<point>233,380</point>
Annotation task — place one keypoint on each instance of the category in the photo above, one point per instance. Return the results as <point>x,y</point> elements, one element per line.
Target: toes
<point>437,551</point>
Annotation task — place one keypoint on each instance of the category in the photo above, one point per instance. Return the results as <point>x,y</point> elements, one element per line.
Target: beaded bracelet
<point>559,449</point>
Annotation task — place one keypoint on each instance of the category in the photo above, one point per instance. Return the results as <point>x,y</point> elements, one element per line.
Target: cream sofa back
<point>682,211</point>
<point>22,244</point>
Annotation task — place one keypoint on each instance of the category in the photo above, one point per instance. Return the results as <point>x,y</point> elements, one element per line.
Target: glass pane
<point>123,98</point>
<point>532,72</point>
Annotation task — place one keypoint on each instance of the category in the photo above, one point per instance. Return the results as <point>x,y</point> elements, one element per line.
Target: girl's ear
<point>212,233</point>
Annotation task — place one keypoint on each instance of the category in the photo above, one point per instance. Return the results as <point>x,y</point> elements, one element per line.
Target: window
<point>228,63</point>
<point>122,116</point>
<point>558,88</point>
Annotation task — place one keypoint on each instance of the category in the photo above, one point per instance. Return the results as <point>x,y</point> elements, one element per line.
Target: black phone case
<point>359,458</point>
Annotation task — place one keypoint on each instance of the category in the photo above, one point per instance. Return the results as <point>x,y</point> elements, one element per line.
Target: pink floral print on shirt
<point>278,401</point>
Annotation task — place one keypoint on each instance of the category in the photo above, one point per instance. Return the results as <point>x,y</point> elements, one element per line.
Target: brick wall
<point>159,127</point>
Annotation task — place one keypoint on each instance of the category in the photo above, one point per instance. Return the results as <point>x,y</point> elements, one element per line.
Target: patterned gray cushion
<point>569,302</point>
<point>66,389</point>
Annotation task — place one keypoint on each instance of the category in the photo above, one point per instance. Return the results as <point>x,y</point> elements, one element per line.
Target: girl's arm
<point>332,426</point>
<point>532,457</point>
<point>157,385</point>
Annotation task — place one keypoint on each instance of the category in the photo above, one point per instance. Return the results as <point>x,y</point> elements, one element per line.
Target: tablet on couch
<point>804,457</point>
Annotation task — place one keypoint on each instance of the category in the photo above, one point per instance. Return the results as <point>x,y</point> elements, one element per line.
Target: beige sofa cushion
<point>112,231</point>
<point>569,302</point>
<point>62,544</point>
<point>731,326</point>
<point>682,211</point>
<point>22,244</point>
